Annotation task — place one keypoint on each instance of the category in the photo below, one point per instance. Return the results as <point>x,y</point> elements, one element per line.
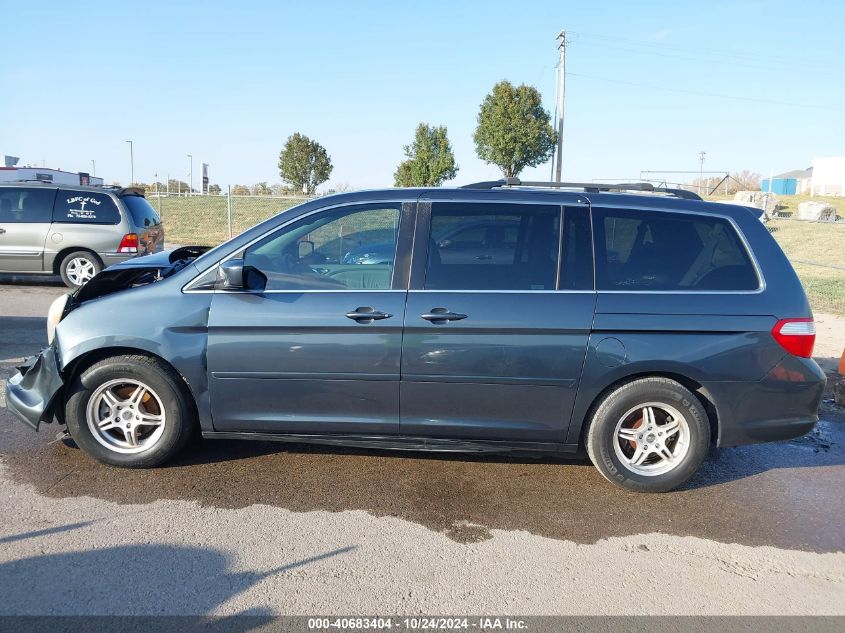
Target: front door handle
<point>2,231</point>
<point>367,315</point>
<point>442,315</point>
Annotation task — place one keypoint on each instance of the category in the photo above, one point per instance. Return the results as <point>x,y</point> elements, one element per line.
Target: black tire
<point>176,408</point>
<point>69,276</point>
<point>622,402</point>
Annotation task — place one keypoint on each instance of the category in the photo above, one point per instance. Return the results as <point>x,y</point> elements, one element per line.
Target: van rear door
<point>146,223</point>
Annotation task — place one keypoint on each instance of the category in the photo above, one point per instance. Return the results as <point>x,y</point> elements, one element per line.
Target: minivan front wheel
<point>649,435</point>
<point>129,411</point>
<point>77,268</point>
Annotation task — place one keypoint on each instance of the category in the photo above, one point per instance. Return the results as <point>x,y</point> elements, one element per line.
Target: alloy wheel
<point>126,416</point>
<point>651,439</point>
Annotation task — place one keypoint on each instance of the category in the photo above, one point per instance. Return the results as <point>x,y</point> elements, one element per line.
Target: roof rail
<point>588,187</point>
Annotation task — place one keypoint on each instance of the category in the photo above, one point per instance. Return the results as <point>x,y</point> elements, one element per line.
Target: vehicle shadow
<point>827,363</point>
<point>133,580</point>
<point>30,280</point>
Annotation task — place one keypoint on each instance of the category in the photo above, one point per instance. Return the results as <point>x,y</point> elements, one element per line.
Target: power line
<point>705,51</point>
<point>709,94</point>
<point>780,66</point>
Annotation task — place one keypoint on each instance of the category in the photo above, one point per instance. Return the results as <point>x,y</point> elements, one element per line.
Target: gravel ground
<point>263,528</point>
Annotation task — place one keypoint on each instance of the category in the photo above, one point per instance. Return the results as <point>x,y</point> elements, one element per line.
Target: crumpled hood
<point>138,271</point>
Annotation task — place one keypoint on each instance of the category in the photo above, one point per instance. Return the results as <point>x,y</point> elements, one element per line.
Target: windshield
<point>143,214</point>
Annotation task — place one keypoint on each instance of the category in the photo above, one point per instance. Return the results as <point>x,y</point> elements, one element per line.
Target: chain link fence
<point>817,251</point>
<point>210,220</point>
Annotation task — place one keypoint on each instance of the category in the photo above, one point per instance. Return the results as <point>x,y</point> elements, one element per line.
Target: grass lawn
<point>203,219</point>
<point>821,242</point>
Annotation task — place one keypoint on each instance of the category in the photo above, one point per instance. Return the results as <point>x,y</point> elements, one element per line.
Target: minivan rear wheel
<point>649,435</point>
<point>77,268</point>
<point>129,411</point>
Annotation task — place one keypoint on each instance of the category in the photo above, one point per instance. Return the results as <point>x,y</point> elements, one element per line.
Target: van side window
<point>655,250</point>
<point>85,207</point>
<point>477,246</point>
<point>22,205</point>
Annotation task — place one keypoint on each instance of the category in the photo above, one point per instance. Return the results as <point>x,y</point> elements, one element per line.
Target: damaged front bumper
<point>30,392</point>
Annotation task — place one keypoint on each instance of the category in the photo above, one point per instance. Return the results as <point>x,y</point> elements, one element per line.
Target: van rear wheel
<point>130,411</point>
<point>78,267</point>
<point>649,435</point>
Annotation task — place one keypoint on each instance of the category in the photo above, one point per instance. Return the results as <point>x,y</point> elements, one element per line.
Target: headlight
<point>54,315</point>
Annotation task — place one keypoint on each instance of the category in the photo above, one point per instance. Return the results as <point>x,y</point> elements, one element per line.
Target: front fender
<point>157,319</point>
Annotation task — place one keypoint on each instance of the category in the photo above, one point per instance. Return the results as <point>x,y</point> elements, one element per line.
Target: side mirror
<point>231,275</point>
<point>305,249</point>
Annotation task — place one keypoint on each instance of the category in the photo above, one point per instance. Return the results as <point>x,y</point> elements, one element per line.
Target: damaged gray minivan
<point>642,325</point>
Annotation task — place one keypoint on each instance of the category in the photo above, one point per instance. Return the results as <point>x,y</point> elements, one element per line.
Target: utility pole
<point>158,193</point>
<point>700,170</point>
<point>191,175</point>
<point>131,164</point>
<point>93,168</point>
<point>561,91</point>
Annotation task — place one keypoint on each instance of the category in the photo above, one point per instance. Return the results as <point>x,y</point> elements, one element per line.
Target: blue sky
<point>229,81</point>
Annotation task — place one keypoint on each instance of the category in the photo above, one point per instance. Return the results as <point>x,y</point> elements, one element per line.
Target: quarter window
<point>350,248</point>
<point>21,205</point>
<point>493,247</point>
<point>655,250</point>
<point>85,207</point>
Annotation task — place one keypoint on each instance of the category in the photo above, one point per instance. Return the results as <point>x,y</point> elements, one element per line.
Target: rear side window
<point>19,205</point>
<point>493,247</point>
<point>85,207</point>
<point>143,214</point>
<point>654,250</point>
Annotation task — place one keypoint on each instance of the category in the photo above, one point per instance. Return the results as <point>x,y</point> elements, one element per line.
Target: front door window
<point>352,248</point>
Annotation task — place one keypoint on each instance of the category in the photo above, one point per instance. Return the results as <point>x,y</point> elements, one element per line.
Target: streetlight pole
<point>191,175</point>
<point>700,170</point>
<point>93,168</point>
<point>131,164</point>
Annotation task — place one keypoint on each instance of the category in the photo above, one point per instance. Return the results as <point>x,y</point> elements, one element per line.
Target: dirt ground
<point>830,343</point>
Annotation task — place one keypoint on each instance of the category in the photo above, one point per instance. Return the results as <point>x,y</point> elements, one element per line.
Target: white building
<point>828,176</point>
<point>42,174</point>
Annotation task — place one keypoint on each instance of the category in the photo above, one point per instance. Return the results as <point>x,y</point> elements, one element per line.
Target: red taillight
<point>129,244</point>
<point>796,336</point>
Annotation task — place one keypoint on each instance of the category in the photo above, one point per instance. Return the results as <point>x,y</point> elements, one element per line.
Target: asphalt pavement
<point>243,527</point>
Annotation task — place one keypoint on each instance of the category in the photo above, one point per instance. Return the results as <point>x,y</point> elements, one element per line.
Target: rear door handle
<point>442,315</point>
<point>2,231</point>
<point>367,315</point>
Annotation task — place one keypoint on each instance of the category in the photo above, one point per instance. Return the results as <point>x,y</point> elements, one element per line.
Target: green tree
<point>261,189</point>
<point>513,130</point>
<point>430,159</point>
<point>240,190</point>
<point>214,190</point>
<point>304,163</point>
<point>177,186</point>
